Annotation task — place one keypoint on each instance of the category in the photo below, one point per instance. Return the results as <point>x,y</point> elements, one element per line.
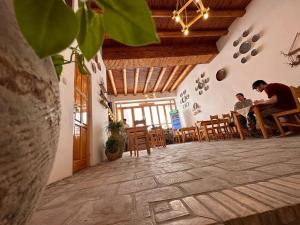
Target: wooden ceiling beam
<point>112,81</point>
<point>136,80</point>
<point>157,51</point>
<point>158,13</point>
<point>192,34</point>
<point>161,74</point>
<point>170,78</point>
<point>125,81</point>
<point>184,73</point>
<point>148,79</point>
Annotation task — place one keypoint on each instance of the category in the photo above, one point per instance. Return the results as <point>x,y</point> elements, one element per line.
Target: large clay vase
<point>29,121</point>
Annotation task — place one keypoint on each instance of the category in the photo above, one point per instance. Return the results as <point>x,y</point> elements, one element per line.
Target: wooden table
<point>256,109</point>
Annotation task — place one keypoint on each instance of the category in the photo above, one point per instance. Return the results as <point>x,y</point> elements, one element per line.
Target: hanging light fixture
<point>180,15</point>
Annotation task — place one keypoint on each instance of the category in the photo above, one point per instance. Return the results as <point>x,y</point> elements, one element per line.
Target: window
<point>156,113</point>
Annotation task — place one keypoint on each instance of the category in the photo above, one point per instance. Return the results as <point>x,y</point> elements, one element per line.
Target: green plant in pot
<point>115,144</point>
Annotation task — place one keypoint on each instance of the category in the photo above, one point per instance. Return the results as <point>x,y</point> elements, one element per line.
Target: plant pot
<point>30,116</point>
<point>116,153</point>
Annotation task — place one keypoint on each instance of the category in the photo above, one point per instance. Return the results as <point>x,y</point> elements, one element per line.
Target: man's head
<point>259,85</point>
<point>240,97</point>
<point>124,121</point>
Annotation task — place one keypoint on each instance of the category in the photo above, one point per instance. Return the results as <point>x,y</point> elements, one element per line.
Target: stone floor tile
<point>104,211</point>
<point>177,209</point>
<point>193,221</point>
<point>173,167</point>
<point>244,177</point>
<point>143,198</point>
<point>150,172</point>
<point>162,206</point>
<point>279,169</point>
<point>199,209</point>
<point>137,185</point>
<point>205,185</point>
<point>172,178</point>
<point>207,171</point>
<point>237,165</point>
<point>294,161</point>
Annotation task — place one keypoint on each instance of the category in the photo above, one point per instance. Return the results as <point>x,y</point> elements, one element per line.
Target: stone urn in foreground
<point>29,117</point>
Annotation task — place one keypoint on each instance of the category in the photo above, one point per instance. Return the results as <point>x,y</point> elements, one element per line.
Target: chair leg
<point>279,125</point>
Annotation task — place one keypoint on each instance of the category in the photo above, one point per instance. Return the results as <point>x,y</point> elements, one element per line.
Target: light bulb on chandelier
<point>205,15</point>
<point>177,19</point>
<point>186,31</point>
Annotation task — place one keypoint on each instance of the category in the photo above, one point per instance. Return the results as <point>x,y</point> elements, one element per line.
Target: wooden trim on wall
<point>125,81</point>
<point>148,79</point>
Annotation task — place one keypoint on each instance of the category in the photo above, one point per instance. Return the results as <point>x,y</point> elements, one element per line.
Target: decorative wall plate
<point>254,52</point>
<point>255,37</point>
<point>243,60</point>
<point>236,43</point>
<point>235,55</point>
<point>93,67</point>
<point>245,47</point>
<point>202,75</point>
<point>221,74</point>
<point>245,33</point>
<point>206,88</point>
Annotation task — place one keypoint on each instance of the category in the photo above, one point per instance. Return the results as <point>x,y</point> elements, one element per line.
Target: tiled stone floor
<point>249,182</point>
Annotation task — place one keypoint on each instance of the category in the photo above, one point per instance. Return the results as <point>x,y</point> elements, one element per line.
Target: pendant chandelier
<point>180,15</point>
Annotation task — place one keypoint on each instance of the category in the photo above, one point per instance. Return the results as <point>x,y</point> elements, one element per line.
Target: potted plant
<point>115,144</point>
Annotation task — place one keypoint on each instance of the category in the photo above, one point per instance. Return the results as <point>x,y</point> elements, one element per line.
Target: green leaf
<point>80,64</point>
<point>49,26</point>
<point>58,61</point>
<point>91,32</point>
<point>129,21</point>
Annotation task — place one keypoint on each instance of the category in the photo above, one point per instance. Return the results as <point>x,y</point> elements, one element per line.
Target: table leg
<point>238,126</point>
<point>206,133</point>
<point>183,137</point>
<point>260,122</point>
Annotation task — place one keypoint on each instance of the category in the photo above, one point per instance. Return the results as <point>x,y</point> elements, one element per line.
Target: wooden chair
<point>216,127</point>
<point>160,137</point>
<point>295,113</point>
<point>230,128</point>
<point>138,139</point>
<point>200,131</point>
<point>176,136</point>
<point>139,123</point>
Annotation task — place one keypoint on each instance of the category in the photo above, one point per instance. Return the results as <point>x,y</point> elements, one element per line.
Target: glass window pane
<point>147,115</point>
<point>155,115</point>
<point>128,117</point>
<point>119,117</point>
<point>161,114</point>
<point>84,111</point>
<point>168,110</point>
<point>138,115</point>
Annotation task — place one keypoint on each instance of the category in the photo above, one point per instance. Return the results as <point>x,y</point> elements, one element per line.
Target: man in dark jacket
<point>280,99</point>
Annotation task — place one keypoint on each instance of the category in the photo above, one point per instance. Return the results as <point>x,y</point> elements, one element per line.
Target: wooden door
<point>80,129</point>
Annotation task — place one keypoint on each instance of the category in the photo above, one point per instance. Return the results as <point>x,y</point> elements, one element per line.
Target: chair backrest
<point>137,123</point>
<point>226,116</point>
<point>214,117</point>
<point>296,94</point>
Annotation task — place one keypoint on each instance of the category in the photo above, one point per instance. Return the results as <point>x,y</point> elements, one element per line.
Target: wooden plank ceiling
<point>162,67</point>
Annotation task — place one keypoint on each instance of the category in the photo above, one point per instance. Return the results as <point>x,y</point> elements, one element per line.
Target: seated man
<point>243,103</point>
<point>280,99</point>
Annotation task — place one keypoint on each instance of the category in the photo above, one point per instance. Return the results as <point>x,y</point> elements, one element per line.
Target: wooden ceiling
<point>162,67</point>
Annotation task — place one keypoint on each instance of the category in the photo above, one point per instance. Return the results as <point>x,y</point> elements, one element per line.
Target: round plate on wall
<point>236,43</point>
<point>245,47</point>
<point>254,52</point>
<point>221,74</point>
<point>255,37</point>
<point>243,60</point>
<point>235,55</point>
<point>245,33</point>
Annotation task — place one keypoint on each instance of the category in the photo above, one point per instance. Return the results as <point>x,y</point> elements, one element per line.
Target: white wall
<point>63,163</point>
<point>278,23</point>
